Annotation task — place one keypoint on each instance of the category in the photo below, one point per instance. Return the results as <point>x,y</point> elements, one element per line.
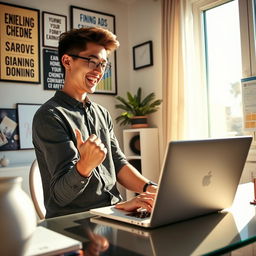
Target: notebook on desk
<point>197,177</point>
<point>46,242</point>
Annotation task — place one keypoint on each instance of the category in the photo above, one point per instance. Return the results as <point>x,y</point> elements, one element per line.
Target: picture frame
<point>81,17</point>
<point>53,26</point>
<point>9,138</point>
<point>53,74</point>
<point>20,58</point>
<point>26,113</point>
<point>142,55</point>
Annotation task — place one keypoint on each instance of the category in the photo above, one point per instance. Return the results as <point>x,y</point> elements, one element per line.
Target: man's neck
<point>76,95</point>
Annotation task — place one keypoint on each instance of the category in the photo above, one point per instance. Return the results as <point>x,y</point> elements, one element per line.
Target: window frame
<point>247,40</point>
<point>247,29</point>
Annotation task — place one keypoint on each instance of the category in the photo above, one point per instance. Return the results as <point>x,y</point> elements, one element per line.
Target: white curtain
<point>184,91</point>
<point>173,73</point>
<point>196,112</point>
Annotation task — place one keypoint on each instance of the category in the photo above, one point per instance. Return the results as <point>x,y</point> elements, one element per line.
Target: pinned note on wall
<point>249,103</point>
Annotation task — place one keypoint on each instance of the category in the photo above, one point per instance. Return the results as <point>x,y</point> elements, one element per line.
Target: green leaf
<point>138,96</point>
<point>124,107</point>
<point>130,98</point>
<point>148,99</point>
<point>125,103</point>
<point>155,103</point>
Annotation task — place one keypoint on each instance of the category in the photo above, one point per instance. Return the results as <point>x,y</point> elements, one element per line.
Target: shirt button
<point>82,181</point>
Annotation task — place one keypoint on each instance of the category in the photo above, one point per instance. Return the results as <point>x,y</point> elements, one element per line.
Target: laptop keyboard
<point>139,214</point>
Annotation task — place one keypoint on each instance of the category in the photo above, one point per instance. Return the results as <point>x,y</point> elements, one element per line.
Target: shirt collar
<point>73,102</point>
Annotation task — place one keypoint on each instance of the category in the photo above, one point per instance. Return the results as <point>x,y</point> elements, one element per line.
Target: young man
<point>78,154</point>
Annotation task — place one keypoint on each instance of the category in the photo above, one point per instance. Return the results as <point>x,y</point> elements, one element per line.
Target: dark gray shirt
<point>65,190</point>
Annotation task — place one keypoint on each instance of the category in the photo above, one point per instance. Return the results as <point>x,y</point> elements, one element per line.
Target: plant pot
<point>17,217</point>
<point>139,122</point>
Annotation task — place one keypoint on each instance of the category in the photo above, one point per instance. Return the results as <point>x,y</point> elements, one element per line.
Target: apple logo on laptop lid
<point>207,179</point>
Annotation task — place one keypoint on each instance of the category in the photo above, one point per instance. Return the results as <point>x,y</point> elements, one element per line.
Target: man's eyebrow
<point>96,57</point>
<point>93,56</point>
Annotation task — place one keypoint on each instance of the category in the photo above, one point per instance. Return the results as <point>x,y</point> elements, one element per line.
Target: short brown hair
<point>75,40</point>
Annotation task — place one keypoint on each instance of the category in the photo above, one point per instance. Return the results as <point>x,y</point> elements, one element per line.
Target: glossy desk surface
<point>212,234</point>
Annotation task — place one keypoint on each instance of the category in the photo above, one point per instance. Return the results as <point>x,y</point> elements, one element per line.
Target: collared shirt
<point>54,139</point>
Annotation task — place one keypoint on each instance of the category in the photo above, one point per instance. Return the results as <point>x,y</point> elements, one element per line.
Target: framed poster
<point>19,44</point>
<point>9,139</point>
<point>53,74</point>
<point>80,18</point>
<point>25,118</point>
<point>53,25</point>
<point>143,55</point>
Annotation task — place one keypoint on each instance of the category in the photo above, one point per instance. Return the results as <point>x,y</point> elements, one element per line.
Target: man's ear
<point>66,59</point>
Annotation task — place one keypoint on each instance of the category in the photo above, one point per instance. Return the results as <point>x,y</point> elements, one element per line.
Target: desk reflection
<point>100,239</point>
<point>206,235</point>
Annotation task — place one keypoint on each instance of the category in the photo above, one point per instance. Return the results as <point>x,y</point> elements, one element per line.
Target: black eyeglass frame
<point>108,64</point>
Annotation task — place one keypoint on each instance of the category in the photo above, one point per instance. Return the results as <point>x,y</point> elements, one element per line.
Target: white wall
<point>12,93</point>
<point>137,21</point>
<point>144,25</point>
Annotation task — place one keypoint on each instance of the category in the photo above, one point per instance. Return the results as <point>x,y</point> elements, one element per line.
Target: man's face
<point>81,75</point>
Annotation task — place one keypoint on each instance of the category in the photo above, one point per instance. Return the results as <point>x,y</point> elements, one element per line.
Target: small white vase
<point>17,217</point>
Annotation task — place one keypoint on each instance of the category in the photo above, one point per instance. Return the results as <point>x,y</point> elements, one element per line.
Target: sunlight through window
<point>224,69</point>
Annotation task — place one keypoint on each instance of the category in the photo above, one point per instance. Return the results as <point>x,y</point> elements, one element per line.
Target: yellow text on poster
<point>19,44</point>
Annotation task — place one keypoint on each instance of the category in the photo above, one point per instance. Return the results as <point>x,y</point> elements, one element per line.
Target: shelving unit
<point>147,162</point>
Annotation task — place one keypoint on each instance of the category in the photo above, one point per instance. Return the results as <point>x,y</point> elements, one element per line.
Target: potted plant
<point>135,109</point>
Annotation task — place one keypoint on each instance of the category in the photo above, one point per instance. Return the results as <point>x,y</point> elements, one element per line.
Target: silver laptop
<point>197,177</point>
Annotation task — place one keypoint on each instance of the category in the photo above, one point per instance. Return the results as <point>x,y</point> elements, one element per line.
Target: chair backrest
<point>36,190</point>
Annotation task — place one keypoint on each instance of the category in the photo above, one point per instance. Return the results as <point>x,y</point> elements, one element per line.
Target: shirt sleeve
<point>55,140</point>
<point>117,154</point>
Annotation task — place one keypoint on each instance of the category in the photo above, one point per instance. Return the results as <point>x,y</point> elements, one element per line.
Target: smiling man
<point>78,154</point>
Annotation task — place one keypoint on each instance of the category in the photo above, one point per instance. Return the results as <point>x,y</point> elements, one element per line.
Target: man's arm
<point>130,178</point>
<point>58,155</point>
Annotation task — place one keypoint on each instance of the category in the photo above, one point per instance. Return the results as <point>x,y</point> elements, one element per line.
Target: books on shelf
<point>46,242</point>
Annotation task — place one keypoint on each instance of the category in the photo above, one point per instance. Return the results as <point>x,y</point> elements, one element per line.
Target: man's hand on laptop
<point>144,200</point>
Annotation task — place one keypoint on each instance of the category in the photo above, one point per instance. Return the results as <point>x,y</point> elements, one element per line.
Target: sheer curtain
<point>173,71</point>
<point>184,93</point>
<point>196,108</point>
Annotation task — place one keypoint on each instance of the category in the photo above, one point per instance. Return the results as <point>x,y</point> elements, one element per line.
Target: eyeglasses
<point>93,63</point>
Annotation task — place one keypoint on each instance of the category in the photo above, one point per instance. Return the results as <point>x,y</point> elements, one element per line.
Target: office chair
<point>36,190</point>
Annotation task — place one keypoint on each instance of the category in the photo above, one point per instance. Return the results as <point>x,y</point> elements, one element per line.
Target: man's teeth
<point>92,79</point>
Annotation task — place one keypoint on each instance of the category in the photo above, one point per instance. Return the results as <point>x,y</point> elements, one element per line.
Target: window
<point>216,60</point>
<point>223,69</point>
